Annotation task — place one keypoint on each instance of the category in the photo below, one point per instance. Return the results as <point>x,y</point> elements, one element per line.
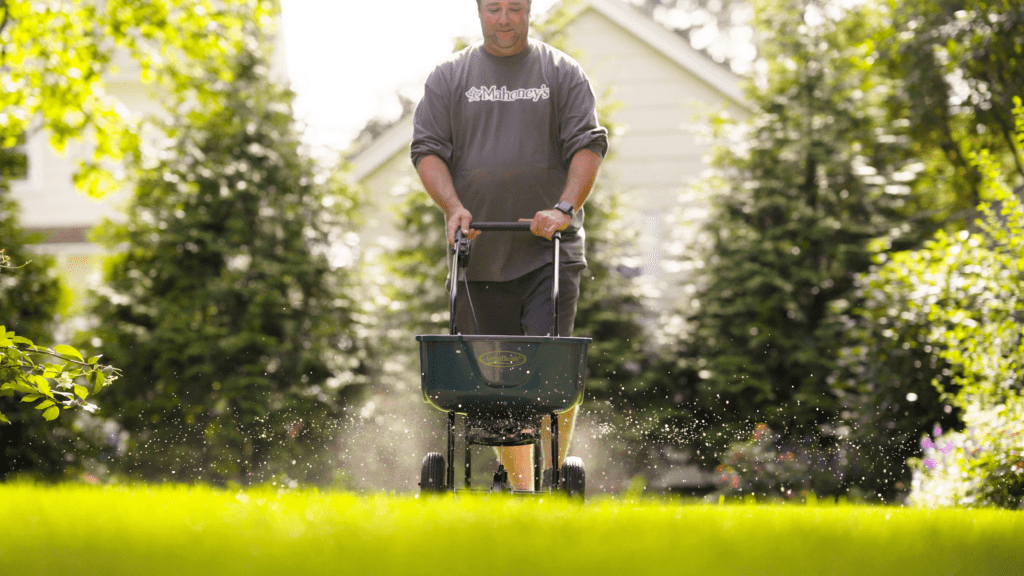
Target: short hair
<point>528,3</point>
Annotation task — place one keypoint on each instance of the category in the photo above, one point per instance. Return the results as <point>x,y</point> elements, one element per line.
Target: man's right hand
<point>460,219</point>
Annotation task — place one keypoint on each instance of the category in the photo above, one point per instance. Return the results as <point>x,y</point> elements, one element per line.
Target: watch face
<point>565,207</point>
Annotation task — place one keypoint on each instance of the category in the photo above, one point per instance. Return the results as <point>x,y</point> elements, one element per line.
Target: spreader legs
<point>451,451</point>
<point>465,436</point>
<point>554,452</point>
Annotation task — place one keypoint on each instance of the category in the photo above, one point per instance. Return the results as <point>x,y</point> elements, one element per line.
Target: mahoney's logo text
<point>503,94</point>
<point>502,359</point>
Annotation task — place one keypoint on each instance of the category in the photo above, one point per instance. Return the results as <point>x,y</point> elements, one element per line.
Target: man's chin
<point>507,46</point>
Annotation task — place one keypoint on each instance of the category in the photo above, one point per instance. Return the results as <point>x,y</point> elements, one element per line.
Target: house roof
<point>670,45</point>
<point>667,43</point>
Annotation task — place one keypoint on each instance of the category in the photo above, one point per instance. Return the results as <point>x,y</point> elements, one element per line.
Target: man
<point>507,130</point>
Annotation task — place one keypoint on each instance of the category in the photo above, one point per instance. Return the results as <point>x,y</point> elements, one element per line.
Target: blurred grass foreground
<point>73,529</point>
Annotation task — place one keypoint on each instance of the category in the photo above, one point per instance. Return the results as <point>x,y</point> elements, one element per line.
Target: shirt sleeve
<point>578,124</point>
<point>432,127</point>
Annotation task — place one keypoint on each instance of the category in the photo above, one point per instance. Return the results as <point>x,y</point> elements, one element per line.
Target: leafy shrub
<point>972,287</point>
<point>982,466</point>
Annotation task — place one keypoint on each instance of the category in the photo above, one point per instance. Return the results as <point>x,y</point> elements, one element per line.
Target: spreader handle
<point>482,226</point>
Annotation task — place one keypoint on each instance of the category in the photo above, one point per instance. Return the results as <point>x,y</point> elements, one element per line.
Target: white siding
<point>661,143</point>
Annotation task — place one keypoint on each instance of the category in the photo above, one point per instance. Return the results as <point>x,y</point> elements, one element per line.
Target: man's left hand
<point>546,222</point>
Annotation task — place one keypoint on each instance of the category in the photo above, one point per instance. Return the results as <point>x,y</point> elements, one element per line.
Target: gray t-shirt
<point>507,127</point>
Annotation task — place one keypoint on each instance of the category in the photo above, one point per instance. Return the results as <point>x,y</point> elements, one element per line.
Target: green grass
<point>179,530</point>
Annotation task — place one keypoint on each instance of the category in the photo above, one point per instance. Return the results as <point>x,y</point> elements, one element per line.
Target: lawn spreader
<point>503,387</point>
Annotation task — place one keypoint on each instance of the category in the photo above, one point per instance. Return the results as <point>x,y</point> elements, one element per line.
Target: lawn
<point>181,530</point>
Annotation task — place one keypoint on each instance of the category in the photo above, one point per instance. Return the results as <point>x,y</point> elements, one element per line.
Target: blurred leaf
<point>66,350</point>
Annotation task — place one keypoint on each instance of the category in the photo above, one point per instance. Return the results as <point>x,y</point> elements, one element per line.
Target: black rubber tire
<point>574,477</point>
<point>433,473</point>
<point>499,483</point>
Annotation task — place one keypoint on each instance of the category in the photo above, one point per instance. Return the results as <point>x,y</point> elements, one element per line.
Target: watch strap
<point>565,207</point>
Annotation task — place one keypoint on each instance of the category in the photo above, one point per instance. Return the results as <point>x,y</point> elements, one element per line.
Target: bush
<point>982,466</point>
<point>973,287</point>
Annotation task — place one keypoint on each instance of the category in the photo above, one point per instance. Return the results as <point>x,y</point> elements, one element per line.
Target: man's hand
<point>460,218</point>
<point>546,222</point>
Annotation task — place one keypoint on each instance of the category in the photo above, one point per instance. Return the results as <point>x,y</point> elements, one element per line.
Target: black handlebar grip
<point>483,226</point>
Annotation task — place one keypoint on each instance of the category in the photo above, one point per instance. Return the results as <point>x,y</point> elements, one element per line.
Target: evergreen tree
<point>233,325</point>
<point>819,171</point>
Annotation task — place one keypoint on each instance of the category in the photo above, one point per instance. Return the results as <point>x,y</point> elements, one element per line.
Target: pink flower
<point>930,463</point>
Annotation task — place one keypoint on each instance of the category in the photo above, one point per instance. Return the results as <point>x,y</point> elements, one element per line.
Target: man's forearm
<point>437,180</point>
<point>582,175</point>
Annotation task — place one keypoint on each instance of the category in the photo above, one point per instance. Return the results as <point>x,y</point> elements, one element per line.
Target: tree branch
<point>55,355</point>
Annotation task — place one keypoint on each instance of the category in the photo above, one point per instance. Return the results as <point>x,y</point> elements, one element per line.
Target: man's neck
<point>507,53</point>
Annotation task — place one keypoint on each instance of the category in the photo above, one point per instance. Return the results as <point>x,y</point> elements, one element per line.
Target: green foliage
<point>954,71</point>
<point>817,172</point>
<point>884,376</point>
<point>31,376</point>
<point>982,466</point>
<point>54,379</point>
<point>972,285</point>
<point>959,65</point>
<point>172,530</point>
<point>56,58</point>
<point>228,300</point>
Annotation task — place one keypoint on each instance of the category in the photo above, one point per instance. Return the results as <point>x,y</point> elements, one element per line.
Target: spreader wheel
<point>574,477</point>
<point>432,474</point>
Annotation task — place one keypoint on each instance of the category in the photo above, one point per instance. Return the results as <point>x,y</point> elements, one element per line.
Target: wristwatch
<point>565,207</point>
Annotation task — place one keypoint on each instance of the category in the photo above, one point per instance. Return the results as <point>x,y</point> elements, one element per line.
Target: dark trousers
<point>520,307</point>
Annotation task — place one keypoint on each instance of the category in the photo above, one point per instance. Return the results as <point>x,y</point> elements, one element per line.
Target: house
<point>663,90</point>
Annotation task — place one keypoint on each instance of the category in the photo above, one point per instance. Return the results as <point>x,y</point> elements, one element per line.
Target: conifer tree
<point>227,304</point>
<point>818,173</point>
